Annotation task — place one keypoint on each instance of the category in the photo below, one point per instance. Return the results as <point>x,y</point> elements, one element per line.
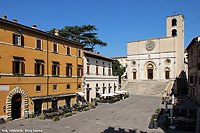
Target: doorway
<point>134,75</point>
<point>166,74</point>
<point>55,103</point>
<point>16,106</point>
<point>68,101</point>
<point>150,73</point>
<point>37,107</point>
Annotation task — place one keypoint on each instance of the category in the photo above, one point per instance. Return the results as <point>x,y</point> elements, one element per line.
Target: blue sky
<point>118,21</point>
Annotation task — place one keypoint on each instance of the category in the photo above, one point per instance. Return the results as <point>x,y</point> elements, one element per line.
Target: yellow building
<point>38,70</point>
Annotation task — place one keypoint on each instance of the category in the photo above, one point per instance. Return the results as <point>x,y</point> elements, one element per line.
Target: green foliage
<point>56,118</point>
<point>116,69</point>
<point>69,114</point>
<point>93,106</point>
<point>86,109</point>
<point>30,115</point>
<point>158,109</point>
<point>65,115</point>
<point>83,34</point>
<point>96,104</point>
<point>42,117</point>
<point>153,116</point>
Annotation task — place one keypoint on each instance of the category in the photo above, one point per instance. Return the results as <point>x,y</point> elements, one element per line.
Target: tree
<point>117,70</point>
<point>84,34</point>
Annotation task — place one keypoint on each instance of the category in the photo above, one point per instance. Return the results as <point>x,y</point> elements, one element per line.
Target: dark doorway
<point>150,73</point>
<point>167,74</point>
<point>68,101</point>
<point>55,103</point>
<point>37,106</point>
<point>88,95</point>
<point>134,75</point>
<point>16,106</point>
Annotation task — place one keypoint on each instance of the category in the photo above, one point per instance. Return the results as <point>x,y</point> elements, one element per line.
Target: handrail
<point>124,84</point>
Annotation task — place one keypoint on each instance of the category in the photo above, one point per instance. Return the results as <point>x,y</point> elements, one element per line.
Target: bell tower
<point>175,28</point>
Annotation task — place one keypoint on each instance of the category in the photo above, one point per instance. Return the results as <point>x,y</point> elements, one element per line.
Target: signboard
<point>4,88</point>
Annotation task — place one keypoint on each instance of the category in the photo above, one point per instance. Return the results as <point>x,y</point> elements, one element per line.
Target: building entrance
<point>150,73</point>
<point>37,106</point>
<point>16,106</point>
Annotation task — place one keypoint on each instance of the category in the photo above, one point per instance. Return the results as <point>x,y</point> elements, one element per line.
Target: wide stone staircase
<point>146,87</point>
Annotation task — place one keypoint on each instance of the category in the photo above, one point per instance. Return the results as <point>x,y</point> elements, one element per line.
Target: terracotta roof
<point>97,55</point>
<point>192,42</point>
<point>119,57</point>
<point>20,26</point>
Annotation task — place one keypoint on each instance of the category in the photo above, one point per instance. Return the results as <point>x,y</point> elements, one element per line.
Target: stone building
<point>98,78</point>
<point>193,50</point>
<point>38,70</point>
<point>158,59</point>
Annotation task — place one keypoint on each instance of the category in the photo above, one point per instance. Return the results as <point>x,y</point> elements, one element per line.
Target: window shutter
<point>66,71</point>
<point>52,69</point>
<point>81,71</point>
<point>13,39</point>
<point>22,68</point>
<point>58,70</point>
<point>22,40</point>
<point>71,71</point>
<point>14,67</point>
<point>42,69</point>
<point>35,68</point>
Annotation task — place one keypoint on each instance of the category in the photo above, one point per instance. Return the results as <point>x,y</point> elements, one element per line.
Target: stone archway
<point>24,103</point>
<point>150,70</point>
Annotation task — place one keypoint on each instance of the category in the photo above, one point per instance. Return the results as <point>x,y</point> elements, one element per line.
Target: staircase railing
<point>168,87</point>
<point>124,85</point>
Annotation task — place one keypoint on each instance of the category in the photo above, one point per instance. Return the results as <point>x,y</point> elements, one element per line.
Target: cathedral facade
<point>158,58</point>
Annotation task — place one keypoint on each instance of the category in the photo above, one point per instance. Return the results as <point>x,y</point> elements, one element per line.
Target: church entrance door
<point>150,73</point>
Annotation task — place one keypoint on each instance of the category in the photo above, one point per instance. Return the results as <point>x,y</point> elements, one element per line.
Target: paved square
<point>130,115</point>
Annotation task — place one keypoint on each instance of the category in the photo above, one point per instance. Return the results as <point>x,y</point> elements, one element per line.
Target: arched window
<point>174,32</point>
<point>174,22</point>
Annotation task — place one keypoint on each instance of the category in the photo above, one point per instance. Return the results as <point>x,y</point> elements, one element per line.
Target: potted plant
<point>86,109</point>
<point>30,115</point>
<point>56,118</point>
<point>42,117</point>
<point>93,106</point>
<point>65,115</point>
<point>69,114</point>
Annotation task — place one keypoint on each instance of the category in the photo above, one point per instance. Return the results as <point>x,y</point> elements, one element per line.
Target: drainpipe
<point>47,70</point>
<point>77,67</point>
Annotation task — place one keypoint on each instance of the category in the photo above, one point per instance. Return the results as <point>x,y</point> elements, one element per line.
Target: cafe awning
<point>81,94</point>
<point>52,96</point>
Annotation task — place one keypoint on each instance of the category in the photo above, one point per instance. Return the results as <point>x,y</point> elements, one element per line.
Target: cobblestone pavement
<point>130,115</point>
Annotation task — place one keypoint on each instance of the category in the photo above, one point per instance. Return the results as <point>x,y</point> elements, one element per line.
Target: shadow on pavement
<point>120,130</point>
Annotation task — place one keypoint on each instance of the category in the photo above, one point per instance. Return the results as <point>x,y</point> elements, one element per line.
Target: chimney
<point>56,32</point>
<point>15,20</point>
<point>5,17</point>
<point>34,26</point>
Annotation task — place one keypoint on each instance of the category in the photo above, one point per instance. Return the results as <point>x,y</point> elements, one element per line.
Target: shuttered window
<point>55,47</point>
<point>68,50</point>
<point>39,44</point>
<point>18,67</point>
<point>18,39</point>
<point>97,72</point>
<point>55,69</point>
<point>88,69</point>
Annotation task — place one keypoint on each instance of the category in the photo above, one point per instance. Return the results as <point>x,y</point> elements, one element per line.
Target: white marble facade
<point>158,58</point>
<point>96,83</point>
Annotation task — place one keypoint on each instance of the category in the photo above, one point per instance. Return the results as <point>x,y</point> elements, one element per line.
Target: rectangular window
<point>18,67</point>
<point>68,50</point>
<point>109,72</point>
<point>55,47</point>
<point>38,87</point>
<point>88,69</point>
<point>88,85</point>
<point>38,44</point>
<point>55,69</point>
<point>97,72</point>
<point>69,69</point>
<point>79,70</point>
<point>55,87</point>
<point>39,68</point>
<point>68,86</point>
<point>79,53</point>
<point>103,70</point>
<point>18,39</point>
<point>97,85</point>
